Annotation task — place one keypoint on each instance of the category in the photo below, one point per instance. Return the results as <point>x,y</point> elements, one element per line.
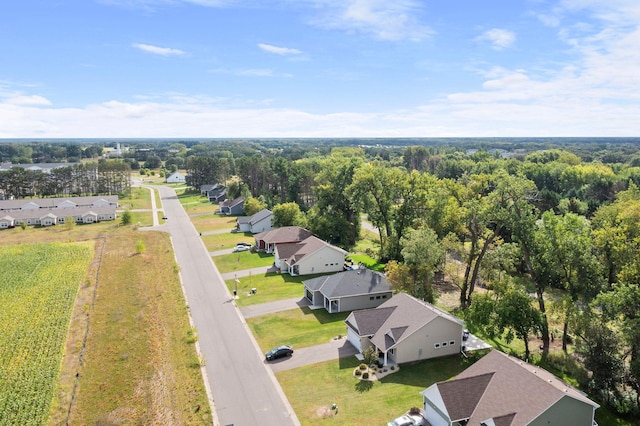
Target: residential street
<point>244,389</point>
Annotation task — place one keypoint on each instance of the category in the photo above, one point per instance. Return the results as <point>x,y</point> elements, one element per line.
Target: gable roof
<point>395,319</point>
<point>295,252</point>
<point>349,283</point>
<point>261,215</point>
<point>233,202</point>
<point>285,234</point>
<point>503,389</point>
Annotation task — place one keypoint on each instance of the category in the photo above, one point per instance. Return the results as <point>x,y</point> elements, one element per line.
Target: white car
<point>241,248</point>
<point>407,420</point>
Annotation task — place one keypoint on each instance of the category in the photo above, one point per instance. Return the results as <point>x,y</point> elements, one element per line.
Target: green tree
<point>566,255</point>
<point>508,312</point>
<point>423,255</point>
<point>288,214</point>
<point>253,206</point>
<point>125,218</point>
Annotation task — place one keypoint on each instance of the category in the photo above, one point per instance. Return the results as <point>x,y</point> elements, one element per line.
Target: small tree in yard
<point>369,356</point>
<point>140,247</point>
<point>69,223</point>
<point>125,219</point>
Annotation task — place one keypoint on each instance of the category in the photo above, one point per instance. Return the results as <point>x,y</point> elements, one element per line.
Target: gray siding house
<point>234,207</point>
<point>405,329</point>
<point>502,390</point>
<point>348,291</point>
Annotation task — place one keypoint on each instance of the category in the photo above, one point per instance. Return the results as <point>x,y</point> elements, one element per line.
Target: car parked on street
<point>279,352</point>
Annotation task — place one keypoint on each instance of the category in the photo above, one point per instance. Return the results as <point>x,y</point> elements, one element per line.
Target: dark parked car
<point>279,352</point>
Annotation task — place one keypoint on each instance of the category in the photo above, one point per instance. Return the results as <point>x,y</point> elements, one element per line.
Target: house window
<point>444,344</point>
<point>371,298</point>
<point>384,296</point>
<point>452,342</point>
<point>437,345</point>
<point>377,297</point>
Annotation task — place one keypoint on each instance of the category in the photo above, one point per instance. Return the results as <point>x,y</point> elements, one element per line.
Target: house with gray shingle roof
<point>349,290</point>
<point>405,329</point>
<point>233,207</point>
<point>259,222</point>
<point>309,256</point>
<point>266,241</point>
<point>499,390</point>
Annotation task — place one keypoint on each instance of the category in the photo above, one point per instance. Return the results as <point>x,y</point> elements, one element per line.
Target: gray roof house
<point>309,256</point>
<point>499,390</point>
<point>234,207</point>
<point>266,241</point>
<point>405,329</point>
<point>259,222</point>
<point>349,290</point>
<point>217,194</point>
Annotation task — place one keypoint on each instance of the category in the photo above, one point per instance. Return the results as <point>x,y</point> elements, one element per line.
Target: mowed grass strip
<point>38,287</point>
<point>208,222</point>
<point>242,260</point>
<point>270,287</point>
<point>312,390</point>
<point>300,327</point>
<point>139,199</point>
<point>139,365</point>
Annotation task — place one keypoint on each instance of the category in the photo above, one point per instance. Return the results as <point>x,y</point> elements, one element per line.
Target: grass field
<point>37,300</point>
<point>242,260</point>
<point>311,390</point>
<point>139,200</point>
<point>140,366</point>
<point>225,240</point>
<point>298,327</point>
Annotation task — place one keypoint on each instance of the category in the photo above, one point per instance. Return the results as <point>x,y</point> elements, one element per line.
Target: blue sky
<point>319,68</point>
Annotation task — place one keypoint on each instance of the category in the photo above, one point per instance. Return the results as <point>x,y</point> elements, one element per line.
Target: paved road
<point>244,389</point>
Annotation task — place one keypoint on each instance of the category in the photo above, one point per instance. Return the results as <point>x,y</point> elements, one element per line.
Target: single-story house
<point>7,221</point>
<point>502,390</point>
<point>309,256</point>
<point>347,291</point>
<point>234,207</point>
<point>204,189</point>
<point>266,241</point>
<point>405,329</point>
<point>259,222</point>
<point>59,203</point>
<point>217,194</point>
<point>176,177</point>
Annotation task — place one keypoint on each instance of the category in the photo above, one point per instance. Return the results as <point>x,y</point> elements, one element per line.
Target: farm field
<point>37,301</point>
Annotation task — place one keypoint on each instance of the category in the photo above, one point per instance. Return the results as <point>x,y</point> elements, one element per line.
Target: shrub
<point>358,372</point>
<point>365,375</point>
<point>363,366</point>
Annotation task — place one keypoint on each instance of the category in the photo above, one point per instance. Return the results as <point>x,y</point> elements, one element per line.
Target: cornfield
<point>38,286</point>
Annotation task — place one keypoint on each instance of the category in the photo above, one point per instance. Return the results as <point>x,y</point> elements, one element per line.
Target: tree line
<point>94,178</point>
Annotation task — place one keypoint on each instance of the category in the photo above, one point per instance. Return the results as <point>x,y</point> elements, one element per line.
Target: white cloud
<point>32,100</point>
<point>498,38</point>
<point>157,50</point>
<point>383,19</point>
<point>284,51</point>
<point>261,73</point>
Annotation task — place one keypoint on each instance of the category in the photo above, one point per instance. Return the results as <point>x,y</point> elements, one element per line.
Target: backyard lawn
<point>270,287</point>
<point>298,327</point>
<point>312,390</point>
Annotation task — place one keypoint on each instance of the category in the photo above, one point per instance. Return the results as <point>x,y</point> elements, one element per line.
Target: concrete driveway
<point>337,348</point>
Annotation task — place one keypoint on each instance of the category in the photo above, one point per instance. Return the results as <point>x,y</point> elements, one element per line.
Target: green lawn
<point>242,260</point>
<point>140,199</point>
<point>310,389</point>
<point>367,261</point>
<point>270,286</point>
<point>300,327</point>
<point>214,222</point>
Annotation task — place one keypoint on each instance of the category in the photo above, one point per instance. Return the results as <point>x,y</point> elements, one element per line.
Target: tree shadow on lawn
<point>364,386</point>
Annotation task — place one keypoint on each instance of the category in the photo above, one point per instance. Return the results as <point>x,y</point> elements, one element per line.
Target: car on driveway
<point>242,243</point>
<point>407,420</point>
<point>279,352</point>
<point>241,248</point>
